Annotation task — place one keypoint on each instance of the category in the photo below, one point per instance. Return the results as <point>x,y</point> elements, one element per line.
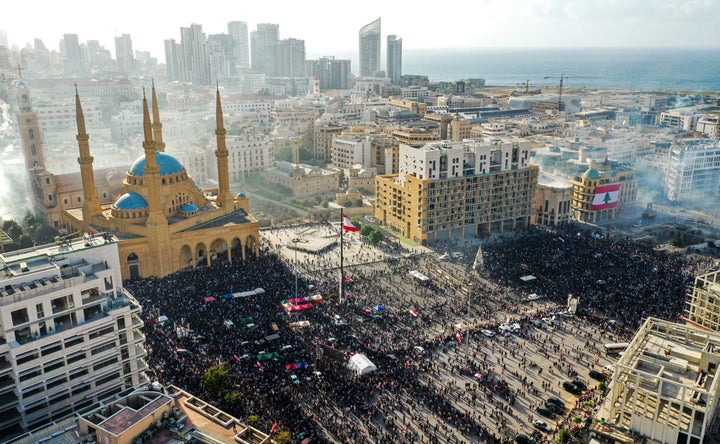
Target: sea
<point>675,69</point>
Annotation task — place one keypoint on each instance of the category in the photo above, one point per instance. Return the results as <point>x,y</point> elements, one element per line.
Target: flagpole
<point>342,274</point>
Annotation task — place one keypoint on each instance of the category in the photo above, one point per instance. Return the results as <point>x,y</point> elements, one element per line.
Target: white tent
<point>361,365</point>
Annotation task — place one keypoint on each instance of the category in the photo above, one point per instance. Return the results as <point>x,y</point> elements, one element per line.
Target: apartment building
<point>303,180</point>
<point>448,190</point>
<point>603,192</point>
<point>323,134</point>
<point>71,334</point>
<point>350,150</point>
<point>703,304</point>
<point>553,201</point>
<point>693,170</point>
<point>251,151</point>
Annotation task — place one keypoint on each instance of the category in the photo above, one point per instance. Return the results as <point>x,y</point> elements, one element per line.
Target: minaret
<point>224,197</point>
<point>152,171</point>
<point>91,207</point>
<point>156,125</point>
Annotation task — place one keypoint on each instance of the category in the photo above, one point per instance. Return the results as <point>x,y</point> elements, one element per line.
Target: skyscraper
<point>333,74</point>
<point>370,48</point>
<point>220,53</point>
<point>73,61</point>
<point>124,54</point>
<point>263,47</point>
<point>173,65</point>
<point>239,32</point>
<point>290,58</point>
<point>394,58</point>
<point>194,57</point>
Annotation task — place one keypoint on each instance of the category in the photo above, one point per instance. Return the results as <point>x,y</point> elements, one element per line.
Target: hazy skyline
<point>329,27</point>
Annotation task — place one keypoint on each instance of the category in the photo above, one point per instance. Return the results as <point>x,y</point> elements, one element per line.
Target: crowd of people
<point>435,381</point>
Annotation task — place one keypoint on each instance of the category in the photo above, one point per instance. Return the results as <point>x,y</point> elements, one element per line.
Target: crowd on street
<point>446,372</point>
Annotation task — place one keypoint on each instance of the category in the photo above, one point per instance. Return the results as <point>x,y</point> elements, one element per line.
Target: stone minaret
<point>156,125</point>
<point>91,207</point>
<point>224,197</point>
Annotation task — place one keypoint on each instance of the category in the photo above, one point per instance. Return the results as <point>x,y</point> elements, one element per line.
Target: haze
<point>330,26</point>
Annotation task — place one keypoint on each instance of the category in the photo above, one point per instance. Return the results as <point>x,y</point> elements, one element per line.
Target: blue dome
<point>130,201</point>
<point>167,163</point>
<point>591,173</point>
<point>189,208</point>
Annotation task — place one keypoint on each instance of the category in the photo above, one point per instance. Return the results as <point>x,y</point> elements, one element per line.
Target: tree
<point>602,386</point>
<point>232,399</point>
<point>283,437</point>
<point>366,230</point>
<point>253,420</point>
<point>25,241</point>
<point>376,236</point>
<point>564,436</point>
<point>356,221</point>
<point>215,379</point>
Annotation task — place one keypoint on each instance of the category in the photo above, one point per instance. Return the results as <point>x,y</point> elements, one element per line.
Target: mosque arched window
<point>33,149</point>
<point>31,134</point>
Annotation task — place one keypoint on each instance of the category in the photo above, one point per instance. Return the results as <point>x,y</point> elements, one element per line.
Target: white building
<point>71,333</point>
<point>693,171</point>
<point>251,151</point>
<point>349,150</point>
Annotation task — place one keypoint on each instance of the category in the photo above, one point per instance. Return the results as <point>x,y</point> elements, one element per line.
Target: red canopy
<point>209,299</point>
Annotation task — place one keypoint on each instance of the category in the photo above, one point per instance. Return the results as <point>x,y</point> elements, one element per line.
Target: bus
<point>615,348</point>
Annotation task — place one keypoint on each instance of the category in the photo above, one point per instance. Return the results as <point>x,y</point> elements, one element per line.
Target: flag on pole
<point>606,196</point>
<point>459,336</point>
<point>274,427</point>
<point>347,225</point>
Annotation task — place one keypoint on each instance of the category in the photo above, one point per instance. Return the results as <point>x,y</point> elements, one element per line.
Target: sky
<point>331,27</point>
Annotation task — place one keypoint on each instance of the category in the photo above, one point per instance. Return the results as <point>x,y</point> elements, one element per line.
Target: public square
<point>450,365</point>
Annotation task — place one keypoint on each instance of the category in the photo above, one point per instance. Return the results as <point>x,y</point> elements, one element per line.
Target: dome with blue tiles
<point>189,208</point>
<point>591,173</point>
<point>130,201</point>
<point>167,163</point>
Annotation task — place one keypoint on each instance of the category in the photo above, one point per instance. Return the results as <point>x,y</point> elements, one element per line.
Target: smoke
<point>14,199</point>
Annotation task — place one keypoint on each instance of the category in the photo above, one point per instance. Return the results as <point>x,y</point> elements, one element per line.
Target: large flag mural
<point>606,196</point>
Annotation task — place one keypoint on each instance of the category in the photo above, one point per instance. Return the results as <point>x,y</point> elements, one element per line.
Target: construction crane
<point>562,77</point>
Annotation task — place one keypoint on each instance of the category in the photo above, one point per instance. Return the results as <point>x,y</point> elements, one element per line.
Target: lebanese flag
<point>459,336</point>
<point>260,366</point>
<point>347,225</point>
<point>605,197</point>
<point>414,312</point>
<point>274,427</point>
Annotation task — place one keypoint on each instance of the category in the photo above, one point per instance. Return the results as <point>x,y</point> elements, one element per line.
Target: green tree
<point>602,386</point>
<point>232,399</point>
<point>376,236</point>
<point>366,230</point>
<point>564,436</point>
<point>356,221</point>
<point>12,229</point>
<point>25,241</point>
<point>215,379</point>
<point>253,420</point>
<point>283,437</point>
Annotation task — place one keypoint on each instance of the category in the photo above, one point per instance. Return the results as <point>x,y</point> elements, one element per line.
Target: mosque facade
<point>163,220</point>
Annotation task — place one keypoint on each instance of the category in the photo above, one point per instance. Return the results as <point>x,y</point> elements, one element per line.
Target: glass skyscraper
<point>370,48</point>
<point>394,58</point>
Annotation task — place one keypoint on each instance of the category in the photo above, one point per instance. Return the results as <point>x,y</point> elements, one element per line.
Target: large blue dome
<point>167,163</point>
<point>130,201</point>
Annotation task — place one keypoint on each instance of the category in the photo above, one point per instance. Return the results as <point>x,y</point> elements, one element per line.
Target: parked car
<point>555,408</point>
<point>542,425</point>
<point>572,388</point>
<point>598,376</point>
<point>546,412</point>
<point>579,384</point>
<point>488,333</point>
<point>294,379</point>
<point>523,439</point>
<point>556,402</point>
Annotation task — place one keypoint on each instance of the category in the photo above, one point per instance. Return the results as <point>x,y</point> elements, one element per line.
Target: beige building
<point>72,335</point>
<point>603,192</point>
<point>323,135</point>
<point>665,386</point>
<point>303,180</point>
<point>350,150</point>
<point>703,304</point>
<point>553,201</point>
<point>163,220</point>
<point>460,129</point>
<point>451,190</point>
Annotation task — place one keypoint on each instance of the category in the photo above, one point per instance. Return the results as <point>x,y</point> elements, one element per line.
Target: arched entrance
<point>200,255</point>
<point>218,250</point>
<point>133,265</point>
<point>186,257</point>
<point>236,250</point>
<point>251,246</point>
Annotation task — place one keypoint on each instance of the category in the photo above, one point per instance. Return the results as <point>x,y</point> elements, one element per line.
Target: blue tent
<point>228,296</point>
<point>379,308</point>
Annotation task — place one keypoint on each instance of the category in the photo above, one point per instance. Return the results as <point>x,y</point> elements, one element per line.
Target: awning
<point>209,299</point>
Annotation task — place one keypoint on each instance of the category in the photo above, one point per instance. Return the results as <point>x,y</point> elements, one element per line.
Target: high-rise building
<point>263,48</point>
<point>220,53</point>
<point>290,58</point>
<point>194,55</point>
<point>72,334</point>
<point>239,33</point>
<point>173,60</point>
<point>447,190</point>
<point>332,73</point>
<point>370,47</point>
<point>394,59</point>
<point>124,54</point>
<point>72,54</point>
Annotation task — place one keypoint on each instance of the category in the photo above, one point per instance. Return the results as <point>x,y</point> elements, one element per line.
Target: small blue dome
<point>189,208</point>
<point>241,195</point>
<point>591,173</point>
<point>130,201</point>
<point>167,163</point>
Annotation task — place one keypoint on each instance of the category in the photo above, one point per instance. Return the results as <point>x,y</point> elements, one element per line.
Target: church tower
<point>156,125</point>
<point>224,197</point>
<point>91,205</point>
<point>29,129</point>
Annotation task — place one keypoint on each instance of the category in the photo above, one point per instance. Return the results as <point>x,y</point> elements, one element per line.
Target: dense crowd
<point>428,387</point>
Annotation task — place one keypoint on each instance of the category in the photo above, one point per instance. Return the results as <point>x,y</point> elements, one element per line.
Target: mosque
<point>163,220</point>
